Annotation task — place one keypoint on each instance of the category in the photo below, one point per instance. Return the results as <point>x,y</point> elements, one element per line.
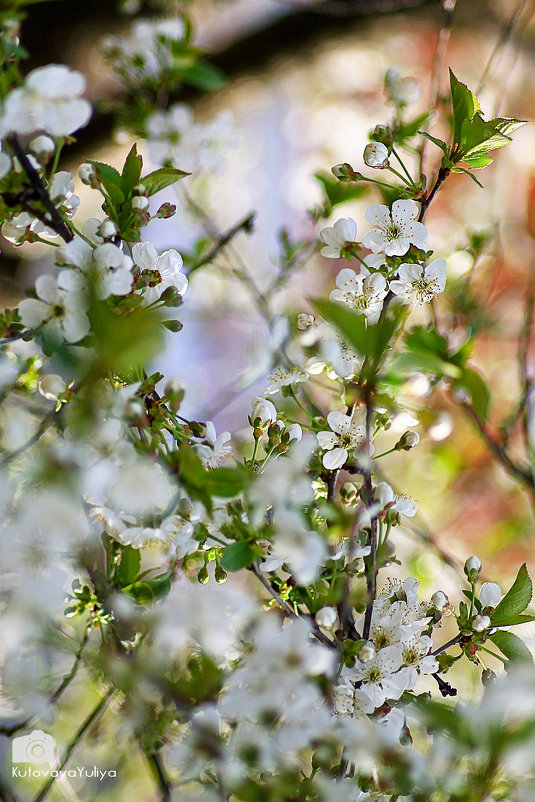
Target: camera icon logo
<point>37,747</point>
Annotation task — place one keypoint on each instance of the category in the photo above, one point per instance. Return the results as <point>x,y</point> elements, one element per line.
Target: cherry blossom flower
<point>283,377</point>
<point>417,284</point>
<point>213,449</point>
<point>383,677</point>
<point>395,230</point>
<point>401,91</point>
<point>168,265</point>
<point>345,436</point>
<point>363,292</point>
<point>338,238</point>
<point>490,594</point>
<point>48,99</point>
<point>60,307</point>
<point>106,264</point>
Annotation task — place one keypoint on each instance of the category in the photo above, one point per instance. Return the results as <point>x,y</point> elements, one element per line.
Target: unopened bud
<point>140,203</point>
<point>344,172</point>
<point>439,600</point>
<point>407,441</point>
<point>383,133</point>
<point>376,155</point>
<point>135,410</point>
<point>43,147</point>
<point>140,189</point>
<point>107,229</point>
<point>295,432</point>
<point>367,652</point>
<point>166,210</point>
<point>174,392</point>
<point>264,410</point>
<point>327,618</point>
<point>488,677</point>
<point>51,386</point>
<point>220,575</point>
<point>349,493</point>
<point>88,175</point>
<point>472,568</point>
<point>480,623</point>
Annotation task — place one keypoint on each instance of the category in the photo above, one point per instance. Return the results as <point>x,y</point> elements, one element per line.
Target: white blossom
<point>417,284</point>
<point>363,292</point>
<point>213,449</point>
<point>60,307</point>
<point>338,237</point>
<point>395,230</point>
<point>401,91</point>
<point>345,436</point>
<point>168,264</point>
<point>49,99</point>
<point>283,377</point>
<point>376,155</point>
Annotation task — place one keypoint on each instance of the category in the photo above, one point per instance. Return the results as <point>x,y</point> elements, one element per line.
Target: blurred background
<point>305,88</point>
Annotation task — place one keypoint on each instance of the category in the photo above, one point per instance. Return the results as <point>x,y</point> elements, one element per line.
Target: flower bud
<point>349,493</point>
<point>344,172</point>
<point>472,568</point>
<point>490,595</point>
<point>480,623</point>
<point>383,133</point>
<point>107,229</point>
<point>305,321</point>
<point>376,155</point>
<point>140,203</point>
<point>166,210</point>
<point>264,410</point>
<point>439,600</point>
<point>135,410</point>
<point>407,441</point>
<point>174,392</point>
<point>139,189</point>
<point>327,618</point>
<point>43,147</point>
<point>51,386</point>
<point>367,652</point>
<point>88,175</point>
<point>295,431</point>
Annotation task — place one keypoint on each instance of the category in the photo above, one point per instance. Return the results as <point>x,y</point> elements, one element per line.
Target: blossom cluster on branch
<point>240,603</point>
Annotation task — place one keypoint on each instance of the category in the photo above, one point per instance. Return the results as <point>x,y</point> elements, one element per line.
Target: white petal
<point>397,247</point>
<point>327,440</point>
<point>378,215</point>
<point>374,240</point>
<point>409,272</point>
<point>404,212</point>
<point>490,594</point>
<point>332,460</point>
<point>437,271</point>
<point>339,422</point>
<point>346,229</point>
<point>47,289</point>
<point>345,277</point>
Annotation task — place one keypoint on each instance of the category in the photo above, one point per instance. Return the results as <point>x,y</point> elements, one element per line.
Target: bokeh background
<point>305,86</point>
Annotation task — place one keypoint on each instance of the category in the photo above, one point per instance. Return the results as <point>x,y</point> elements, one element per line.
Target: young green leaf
<point>515,600</point>
<point>511,646</point>
<point>239,555</point>
<point>464,103</point>
<point>149,590</point>
<point>160,179</point>
<point>110,179</point>
<point>478,391</point>
<point>129,566</point>
<point>131,170</point>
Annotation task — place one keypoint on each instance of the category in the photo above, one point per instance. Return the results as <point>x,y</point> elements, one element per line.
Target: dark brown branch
<point>244,225</point>
<point>56,222</point>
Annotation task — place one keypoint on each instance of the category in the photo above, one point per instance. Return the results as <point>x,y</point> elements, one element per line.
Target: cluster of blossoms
<point>111,495</point>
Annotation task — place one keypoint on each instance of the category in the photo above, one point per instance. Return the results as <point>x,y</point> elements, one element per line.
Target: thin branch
<point>100,707</point>
<point>56,222</point>
<point>506,34</point>
<point>288,610</point>
<point>447,645</point>
<point>160,776</point>
<point>41,429</point>
<point>223,240</point>
<point>443,173</point>
<point>371,561</point>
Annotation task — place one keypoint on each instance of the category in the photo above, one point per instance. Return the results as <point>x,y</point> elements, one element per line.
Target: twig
<point>223,240</point>
<point>318,634</point>
<point>447,645</point>
<point>56,222</point>
<point>506,33</point>
<point>41,429</point>
<point>371,561</point>
<point>160,776</point>
<point>75,741</point>
<point>443,173</point>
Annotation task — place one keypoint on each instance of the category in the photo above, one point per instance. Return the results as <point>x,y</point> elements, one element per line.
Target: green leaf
<point>512,646</point>
<point>438,142</point>
<point>239,555</point>
<point>429,340</point>
<point>204,76</point>
<point>409,129</point>
<point>478,161</point>
<point>160,179</point>
<point>352,325</point>
<point>337,192</point>
<point>464,104</point>
<point>472,176</point>
<point>125,342</point>
<point>203,484</point>
<point>150,590</point>
<point>519,619</point>
<point>515,600</point>
<point>110,179</point>
<point>225,482</point>
<point>477,136</point>
<point>420,361</point>
<point>478,391</point>
<point>506,125</point>
<point>129,566</point>
<point>131,170</point>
